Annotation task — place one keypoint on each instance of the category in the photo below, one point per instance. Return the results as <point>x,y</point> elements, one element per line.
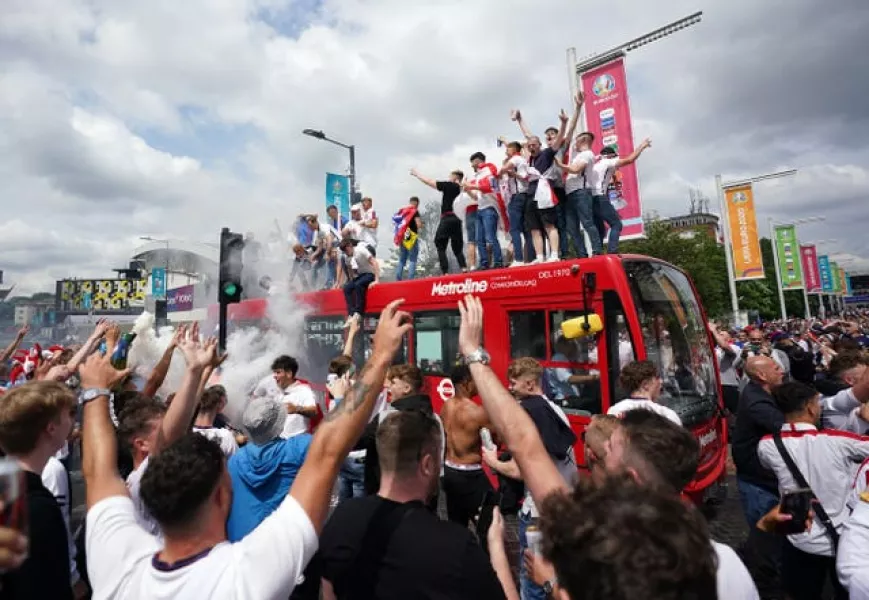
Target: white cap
<point>355,207</point>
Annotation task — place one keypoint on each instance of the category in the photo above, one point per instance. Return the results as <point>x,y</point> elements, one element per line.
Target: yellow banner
<point>747,260</point>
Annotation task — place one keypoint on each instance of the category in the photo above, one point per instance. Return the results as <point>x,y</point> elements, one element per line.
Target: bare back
<point>463,419</point>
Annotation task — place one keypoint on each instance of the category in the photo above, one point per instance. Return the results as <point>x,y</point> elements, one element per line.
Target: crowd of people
<point>541,202</point>
<point>797,393</point>
<point>297,497</point>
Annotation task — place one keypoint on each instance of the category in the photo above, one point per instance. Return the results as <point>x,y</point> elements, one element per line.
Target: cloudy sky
<point>121,118</point>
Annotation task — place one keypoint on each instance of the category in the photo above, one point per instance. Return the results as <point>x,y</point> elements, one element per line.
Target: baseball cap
<point>608,151</point>
<point>263,419</point>
<point>356,207</point>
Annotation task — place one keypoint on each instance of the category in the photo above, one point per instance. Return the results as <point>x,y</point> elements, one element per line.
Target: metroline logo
<point>468,286</point>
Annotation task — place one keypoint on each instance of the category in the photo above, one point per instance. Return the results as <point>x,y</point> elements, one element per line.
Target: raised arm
<point>13,346</point>
<point>340,429</point>
<point>89,346</point>
<point>577,108</point>
<point>633,156</point>
<point>99,439</point>
<point>508,418</point>
<point>516,115</point>
<point>558,142</point>
<point>352,330</point>
<point>179,416</point>
<point>429,182</point>
<point>158,373</point>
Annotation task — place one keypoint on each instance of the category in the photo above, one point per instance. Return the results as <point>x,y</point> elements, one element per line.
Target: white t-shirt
<point>853,553</point>
<point>224,437</point>
<point>369,234</point>
<point>620,408</point>
<point>732,579</point>
<point>578,181</point>
<point>485,200</point>
<point>55,480</point>
<point>601,173</point>
<point>264,565</point>
<point>322,233</point>
<point>360,262</point>
<point>301,395</point>
<point>520,166</point>
<point>143,517</point>
<point>726,367</point>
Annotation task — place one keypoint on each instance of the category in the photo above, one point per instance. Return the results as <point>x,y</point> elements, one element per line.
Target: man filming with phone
<point>815,470</point>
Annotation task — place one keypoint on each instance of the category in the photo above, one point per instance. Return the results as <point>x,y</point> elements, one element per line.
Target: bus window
<point>619,344</point>
<point>675,337</point>
<point>436,341</point>
<point>528,334</point>
<point>369,326</point>
<point>574,380</point>
<point>324,338</point>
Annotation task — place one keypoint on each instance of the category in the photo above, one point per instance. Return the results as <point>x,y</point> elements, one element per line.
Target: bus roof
<point>553,279</point>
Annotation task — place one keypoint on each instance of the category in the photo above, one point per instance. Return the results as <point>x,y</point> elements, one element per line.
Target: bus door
<point>434,348</point>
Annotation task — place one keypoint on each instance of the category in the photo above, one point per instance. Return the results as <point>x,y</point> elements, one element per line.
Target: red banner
<point>608,115</point>
<point>811,272</point>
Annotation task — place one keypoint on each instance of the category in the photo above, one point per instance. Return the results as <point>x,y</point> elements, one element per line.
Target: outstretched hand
<point>198,354</point>
<point>471,328</point>
<point>391,329</point>
<point>98,372</point>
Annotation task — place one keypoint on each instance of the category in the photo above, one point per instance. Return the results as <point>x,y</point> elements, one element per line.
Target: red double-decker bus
<point>648,309</point>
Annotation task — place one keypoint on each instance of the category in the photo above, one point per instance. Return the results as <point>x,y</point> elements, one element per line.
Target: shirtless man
<point>465,483</point>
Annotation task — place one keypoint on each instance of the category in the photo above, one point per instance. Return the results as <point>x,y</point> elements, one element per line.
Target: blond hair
<point>524,367</point>
<point>27,410</point>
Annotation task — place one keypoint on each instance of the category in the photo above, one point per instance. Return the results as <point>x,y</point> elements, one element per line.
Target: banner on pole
<point>608,111</point>
<point>338,193</point>
<point>747,260</point>
<point>848,289</point>
<point>811,274</point>
<point>834,275</point>
<point>843,283</point>
<point>790,269</point>
<point>158,282</point>
<point>826,272</point>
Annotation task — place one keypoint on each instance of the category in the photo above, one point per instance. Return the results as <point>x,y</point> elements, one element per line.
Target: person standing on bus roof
<point>370,222</point>
<point>408,225</point>
<point>603,211</point>
<point>356,229</point>
<point>359,271</point>
<point>484,189</point>
<point>580,206</point>
<point>516,167</point>
<point>449,229</point>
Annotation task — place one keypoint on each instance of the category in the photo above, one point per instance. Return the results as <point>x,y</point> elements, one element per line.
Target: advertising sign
<point>158,282</point>
<point>826,274</point>
<point>180,299</point>
<point>786,246</point>
<point>338,193</point>
<point>834,275</point>
<point>747,260</point>
<point>811,274</point>
<point>100,294</point>
<point>608,114</point>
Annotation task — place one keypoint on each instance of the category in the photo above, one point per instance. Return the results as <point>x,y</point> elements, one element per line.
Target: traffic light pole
<point>221,333</point>
<point>221,301</point>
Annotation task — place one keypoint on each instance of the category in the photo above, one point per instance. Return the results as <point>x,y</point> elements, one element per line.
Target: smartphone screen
<point>797,504</point>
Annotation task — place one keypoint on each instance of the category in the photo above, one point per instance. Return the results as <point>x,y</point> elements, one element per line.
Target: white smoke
<point>147,350</point>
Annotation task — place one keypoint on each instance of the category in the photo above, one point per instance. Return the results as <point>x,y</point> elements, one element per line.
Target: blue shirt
<point>261,479</point>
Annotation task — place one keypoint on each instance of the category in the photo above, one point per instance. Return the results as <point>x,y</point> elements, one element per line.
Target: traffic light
<point>231,265</point>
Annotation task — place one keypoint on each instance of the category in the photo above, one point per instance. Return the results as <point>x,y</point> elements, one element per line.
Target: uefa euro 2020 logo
<point>337,187</point>
<point>740,197</point>
<point>604,85</point>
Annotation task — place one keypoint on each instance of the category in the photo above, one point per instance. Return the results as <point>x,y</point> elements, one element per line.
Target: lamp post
<point>148,238</point>
<point>725,222</point>
<point>577,68</point>
<point>781,292</point>
<point>318,134</point>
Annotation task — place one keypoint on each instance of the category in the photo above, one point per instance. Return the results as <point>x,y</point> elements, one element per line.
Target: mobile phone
<point>797,504</point>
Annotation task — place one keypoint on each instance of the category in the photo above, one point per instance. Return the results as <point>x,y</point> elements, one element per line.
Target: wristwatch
<point>478,356</point>
<point>549,586</point>
<point>92,393</point>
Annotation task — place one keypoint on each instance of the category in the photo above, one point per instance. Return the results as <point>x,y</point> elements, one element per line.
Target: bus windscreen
<point>675,337</point>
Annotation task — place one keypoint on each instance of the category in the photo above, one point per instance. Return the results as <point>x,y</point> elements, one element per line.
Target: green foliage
<point>700,256</point>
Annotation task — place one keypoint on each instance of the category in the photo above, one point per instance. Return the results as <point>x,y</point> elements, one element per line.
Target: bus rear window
<point>675,337</point>
<point>436,341</point>
<point>324,340</point>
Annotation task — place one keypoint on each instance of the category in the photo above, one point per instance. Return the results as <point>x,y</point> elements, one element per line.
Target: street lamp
<point>577,68</point>
<point>318,134</point>
<point>148,238</point>
<point>778,283</point>
<point>725,221</point>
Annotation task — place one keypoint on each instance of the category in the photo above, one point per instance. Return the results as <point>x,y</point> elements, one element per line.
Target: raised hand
<point>101,328</point>
<point>515,115</point>
<point>98,372</point>
<point>22,333</point>
<point>562,116</point>
<point>579,98</point>
<point>391,329</point>
<point>197,354</point>
<point>471,328</point>
<point>179,335</point>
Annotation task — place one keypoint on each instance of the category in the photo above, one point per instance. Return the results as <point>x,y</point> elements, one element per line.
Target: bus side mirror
<point>583,326</point>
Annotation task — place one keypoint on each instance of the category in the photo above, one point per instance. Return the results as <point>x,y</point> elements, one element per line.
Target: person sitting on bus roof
<point>359,271</point>
<point>301,263</point>
<point>644,383</point>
